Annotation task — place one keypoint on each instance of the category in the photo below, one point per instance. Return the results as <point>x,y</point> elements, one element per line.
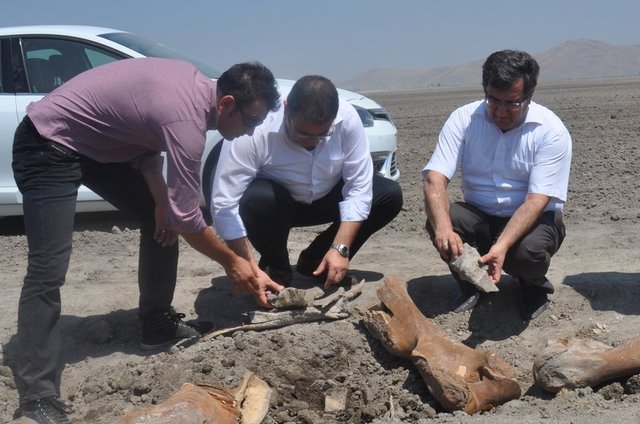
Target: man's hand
<point>519,224</point>
<point>336,267</point>
<point>248,279</point>
<point>162,233</point>
<point>495,260</point>
<point>449,245</point>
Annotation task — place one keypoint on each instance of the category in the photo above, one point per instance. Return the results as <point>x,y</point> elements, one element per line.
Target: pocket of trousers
<point>58,151</point>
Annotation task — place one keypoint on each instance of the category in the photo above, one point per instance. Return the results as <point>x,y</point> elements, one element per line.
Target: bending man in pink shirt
<point>106,129</point>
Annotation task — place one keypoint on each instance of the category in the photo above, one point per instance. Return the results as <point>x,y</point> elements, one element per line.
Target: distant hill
<point>570,60</point>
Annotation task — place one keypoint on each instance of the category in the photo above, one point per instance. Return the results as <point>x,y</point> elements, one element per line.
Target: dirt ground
<point>595,272</point>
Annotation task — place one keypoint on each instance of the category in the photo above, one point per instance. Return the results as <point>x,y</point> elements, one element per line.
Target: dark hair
<point>502,69</point>
<point>313,99</point>
<point>248,82</point>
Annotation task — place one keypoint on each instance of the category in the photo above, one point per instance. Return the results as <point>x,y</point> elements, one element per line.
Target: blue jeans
<point>48,176</point>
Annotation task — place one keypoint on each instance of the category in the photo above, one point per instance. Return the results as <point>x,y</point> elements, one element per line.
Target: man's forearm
<point>347,232</point>
<point>241,247</point>
<point>207,243</point>
<point>157,187</point>
<point>523,219</point>
<point>436,201</point>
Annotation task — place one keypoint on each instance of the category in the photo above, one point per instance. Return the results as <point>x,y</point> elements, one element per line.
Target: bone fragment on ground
<point>576,363</point>
<point>331,307</point>
<point>294,298</point>
<point>468,269</point>
<point>458,377</point>
<point>200,403</point>
<point>336,399</point>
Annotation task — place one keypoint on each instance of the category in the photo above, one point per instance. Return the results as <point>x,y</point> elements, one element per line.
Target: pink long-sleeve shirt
<point>132,110</point>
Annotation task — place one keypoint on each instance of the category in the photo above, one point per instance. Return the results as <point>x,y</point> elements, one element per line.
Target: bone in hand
<point>200,403</point>
<point>576,363</point>
<point>294,298</point>
<point>458,377</point>
<point>468,269</point>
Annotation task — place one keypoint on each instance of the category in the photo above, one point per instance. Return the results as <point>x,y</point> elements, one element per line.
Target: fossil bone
<point>201,404</point>
<point>308,306</point>
<point>468,269</point>
<point>575,363</point>
<point>458,377</point>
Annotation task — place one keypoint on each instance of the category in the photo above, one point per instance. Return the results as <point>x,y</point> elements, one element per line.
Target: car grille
<point>379,161</point>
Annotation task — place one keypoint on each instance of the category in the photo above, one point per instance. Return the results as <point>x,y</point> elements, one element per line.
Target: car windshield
<point>155,49</point>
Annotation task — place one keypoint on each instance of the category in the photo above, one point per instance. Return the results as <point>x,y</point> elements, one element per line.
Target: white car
<point>34,60</point>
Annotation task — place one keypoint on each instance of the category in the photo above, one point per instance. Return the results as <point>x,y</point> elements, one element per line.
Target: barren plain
<point>596,274</point>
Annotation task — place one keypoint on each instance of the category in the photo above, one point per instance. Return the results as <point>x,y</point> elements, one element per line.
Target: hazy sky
<point>343,38</point>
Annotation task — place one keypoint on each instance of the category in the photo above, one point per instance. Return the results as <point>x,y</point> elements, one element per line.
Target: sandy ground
<point>595,273</point>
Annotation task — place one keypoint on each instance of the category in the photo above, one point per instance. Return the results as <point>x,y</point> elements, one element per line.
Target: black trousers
<point>269,213</point>
<point>528,259</point>
<point>48,176</point>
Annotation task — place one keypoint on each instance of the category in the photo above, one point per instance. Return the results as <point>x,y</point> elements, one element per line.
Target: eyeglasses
<point>299,135</point>
<point>514,105</point>
<point>247,120</point>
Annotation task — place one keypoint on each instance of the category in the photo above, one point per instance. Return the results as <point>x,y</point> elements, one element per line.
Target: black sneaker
<point>46,411</point>
<point>534,301</point>
<point>161,329</point>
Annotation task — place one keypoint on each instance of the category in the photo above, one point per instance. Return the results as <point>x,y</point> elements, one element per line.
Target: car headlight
<point>368,116</point>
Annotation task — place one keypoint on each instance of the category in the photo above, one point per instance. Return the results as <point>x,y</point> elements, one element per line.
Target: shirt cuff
<point>229,227</point>
<point>354,210</point>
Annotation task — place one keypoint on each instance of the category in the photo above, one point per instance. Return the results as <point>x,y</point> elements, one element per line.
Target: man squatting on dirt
<point>514,156</point>
<point>308,164</point>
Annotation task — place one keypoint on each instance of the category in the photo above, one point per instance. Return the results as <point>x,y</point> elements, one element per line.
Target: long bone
<point>458,377</point>
<point>576,363</point>
<point>205,404</point>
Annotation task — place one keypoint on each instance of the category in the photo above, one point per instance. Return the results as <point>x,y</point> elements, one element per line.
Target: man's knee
<point>528,261</point>
<point>387,196</point>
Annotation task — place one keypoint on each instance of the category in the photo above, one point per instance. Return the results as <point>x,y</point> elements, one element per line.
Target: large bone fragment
<point>299,306</point>
<point>576,363</point>
<point>205,404</point>
<point>458,377</point>
<point>468,269</point>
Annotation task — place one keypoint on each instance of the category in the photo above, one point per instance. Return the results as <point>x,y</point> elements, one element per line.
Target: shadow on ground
<point>495,317</point>
<point>608,291</point>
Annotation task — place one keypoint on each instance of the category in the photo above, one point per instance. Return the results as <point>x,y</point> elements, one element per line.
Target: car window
<point>50,62</point>
<point>1,74</point>
<point>154,49</point>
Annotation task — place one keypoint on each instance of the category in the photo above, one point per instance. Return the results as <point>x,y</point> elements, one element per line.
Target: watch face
<point>342,249</point>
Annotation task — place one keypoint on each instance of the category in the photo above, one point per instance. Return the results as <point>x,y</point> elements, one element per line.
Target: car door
<point>38,64</point>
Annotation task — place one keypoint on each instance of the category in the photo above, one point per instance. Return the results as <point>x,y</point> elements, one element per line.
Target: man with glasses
<point>514,156</point>
<point>307,164</point>
<point>106,128</point>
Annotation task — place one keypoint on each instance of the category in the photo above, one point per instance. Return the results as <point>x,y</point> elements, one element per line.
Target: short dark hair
<point>502,69</point>
<point>313,99</point>
<point>248,82</point>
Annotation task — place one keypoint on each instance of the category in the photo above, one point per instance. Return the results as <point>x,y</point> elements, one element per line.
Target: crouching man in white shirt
<point>307,164</point>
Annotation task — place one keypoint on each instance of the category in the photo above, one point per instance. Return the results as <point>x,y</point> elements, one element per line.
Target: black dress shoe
<point>534,302</point>
<point>465,302</point>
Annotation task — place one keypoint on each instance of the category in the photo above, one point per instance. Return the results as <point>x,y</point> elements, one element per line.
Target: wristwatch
<point>342,249</point>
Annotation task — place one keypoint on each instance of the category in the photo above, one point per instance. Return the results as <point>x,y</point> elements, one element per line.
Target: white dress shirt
<point>499,168</point>
<point>308,175</point>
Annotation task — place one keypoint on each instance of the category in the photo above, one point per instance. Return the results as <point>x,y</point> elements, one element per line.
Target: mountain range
<point>576,59</point>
